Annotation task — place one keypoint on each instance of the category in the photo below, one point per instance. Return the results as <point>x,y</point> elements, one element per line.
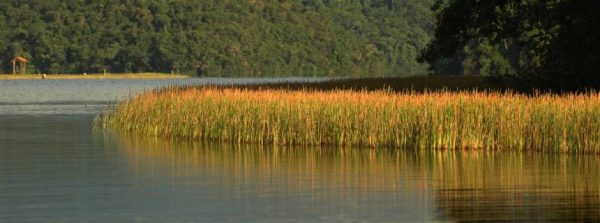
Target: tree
<point>557,39</point>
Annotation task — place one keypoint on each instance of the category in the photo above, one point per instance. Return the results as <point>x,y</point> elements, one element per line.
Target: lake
<point>54,168</point>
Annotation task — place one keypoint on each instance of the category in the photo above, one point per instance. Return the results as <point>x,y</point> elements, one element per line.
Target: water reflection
<point>386,185</point>
<point>298,184</point>
<point>514,185</point>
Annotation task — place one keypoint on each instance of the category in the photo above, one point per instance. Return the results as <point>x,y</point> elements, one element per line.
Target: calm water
<point>53,168</point>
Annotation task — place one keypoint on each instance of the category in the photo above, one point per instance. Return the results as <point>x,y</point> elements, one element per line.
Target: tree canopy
<point>551,43</point>
<point>218,37</point>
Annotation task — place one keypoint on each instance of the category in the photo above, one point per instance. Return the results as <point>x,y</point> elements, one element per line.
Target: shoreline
<point>92,76</point>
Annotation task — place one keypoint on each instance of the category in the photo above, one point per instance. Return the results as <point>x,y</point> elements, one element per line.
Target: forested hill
<point>217,37</point>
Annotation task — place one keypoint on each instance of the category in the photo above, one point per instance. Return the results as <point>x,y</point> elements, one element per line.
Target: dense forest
<point>218,37</point>
<point>551,44</point>
<point>547,43</point>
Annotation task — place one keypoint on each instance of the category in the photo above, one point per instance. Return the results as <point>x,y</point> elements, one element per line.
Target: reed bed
<point>426,120</point>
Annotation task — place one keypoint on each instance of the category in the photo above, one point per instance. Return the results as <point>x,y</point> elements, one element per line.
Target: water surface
<point>80,96</point>
<point>53,168</point>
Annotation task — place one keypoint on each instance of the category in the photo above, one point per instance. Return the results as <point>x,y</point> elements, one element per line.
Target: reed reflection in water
<point>326,184</point>
<point>505,186</point>
<point>251,183</point>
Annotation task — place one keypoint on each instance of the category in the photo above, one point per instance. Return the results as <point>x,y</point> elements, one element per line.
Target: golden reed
<point>430,120</point>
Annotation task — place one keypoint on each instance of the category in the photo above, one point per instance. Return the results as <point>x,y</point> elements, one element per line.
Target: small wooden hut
<point>21,66</point>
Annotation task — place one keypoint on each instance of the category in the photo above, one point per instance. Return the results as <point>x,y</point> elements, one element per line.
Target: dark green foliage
<point>548,44</point>
<point>217,37</point>
<point>430,83</point>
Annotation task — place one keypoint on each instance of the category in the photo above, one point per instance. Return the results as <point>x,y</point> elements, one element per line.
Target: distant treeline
<point>218,37</point>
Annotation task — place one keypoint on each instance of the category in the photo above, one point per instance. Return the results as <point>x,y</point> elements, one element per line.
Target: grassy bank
<point>429,120</point>
<point>91,76</point>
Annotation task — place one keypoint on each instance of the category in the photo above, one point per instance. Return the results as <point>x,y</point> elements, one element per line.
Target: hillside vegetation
<point>217,37</point>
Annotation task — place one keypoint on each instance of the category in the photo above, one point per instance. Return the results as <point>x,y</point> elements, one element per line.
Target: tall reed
<point>430,120</point>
